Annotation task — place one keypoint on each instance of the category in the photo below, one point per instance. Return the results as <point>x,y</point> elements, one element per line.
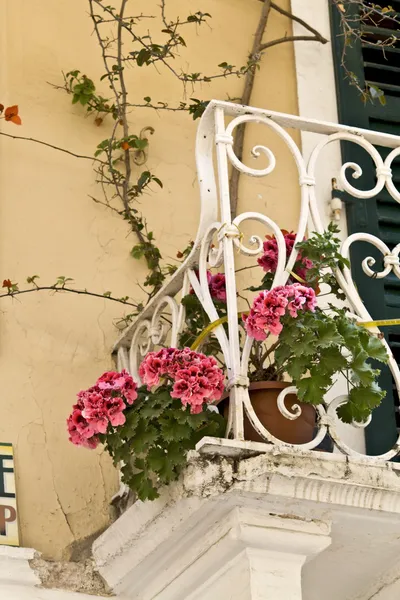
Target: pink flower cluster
<point>100,405</point>
<point>269,260</point>
<point>216,284</point>
<point>269,306</point>
<point>195,378</point>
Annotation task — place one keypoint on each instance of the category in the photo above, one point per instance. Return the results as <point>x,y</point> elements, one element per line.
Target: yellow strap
<point>297,277</point>
<point>209,328</point>
<point>381,323</point>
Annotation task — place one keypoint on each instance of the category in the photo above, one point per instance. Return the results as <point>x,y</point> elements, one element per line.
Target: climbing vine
<point>155,41</point>
<point>356,18</point>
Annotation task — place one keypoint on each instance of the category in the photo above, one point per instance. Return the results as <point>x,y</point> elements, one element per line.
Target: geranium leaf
<point>328,334</point>
<point>362,372</point>
<point>332,361</point>
<point>312,389</point>
<point>374,348</point>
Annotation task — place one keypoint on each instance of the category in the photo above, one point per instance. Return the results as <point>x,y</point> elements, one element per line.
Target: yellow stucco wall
<point>50,347</point>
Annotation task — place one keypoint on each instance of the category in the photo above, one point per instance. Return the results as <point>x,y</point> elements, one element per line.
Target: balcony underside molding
<point>229,514</point>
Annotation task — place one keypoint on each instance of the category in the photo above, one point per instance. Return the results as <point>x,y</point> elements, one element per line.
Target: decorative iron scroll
<point>220,241</point>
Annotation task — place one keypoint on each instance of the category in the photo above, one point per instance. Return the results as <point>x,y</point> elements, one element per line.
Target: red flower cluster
<point>196,378</point>
<point>216,284</point>
<point>269,260</point>
<point>269,306</point>
<point>100,405</point>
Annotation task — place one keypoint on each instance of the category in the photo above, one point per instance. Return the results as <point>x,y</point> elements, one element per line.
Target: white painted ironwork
<point>219,240</point>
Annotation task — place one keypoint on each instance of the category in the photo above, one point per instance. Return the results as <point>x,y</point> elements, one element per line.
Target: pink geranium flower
<point>150,370</point>
<point>195,378</point>
<point>120,382</point>
<point>80,424</point>
<point>100,406</point>
<point>270,306</point>
<point>76,437</point>
<point>269,260</point>
<point>216,285</point>
<point>95,412</point>
<point>115,407</point>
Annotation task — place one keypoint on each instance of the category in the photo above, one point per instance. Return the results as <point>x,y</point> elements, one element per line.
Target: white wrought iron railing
<point>219,241</point>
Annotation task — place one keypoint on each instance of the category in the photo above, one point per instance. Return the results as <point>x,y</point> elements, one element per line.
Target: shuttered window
<point>379,216</point>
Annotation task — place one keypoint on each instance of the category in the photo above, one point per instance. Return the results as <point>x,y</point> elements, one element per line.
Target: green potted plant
<point>150,429</point>
<point>296,342</point>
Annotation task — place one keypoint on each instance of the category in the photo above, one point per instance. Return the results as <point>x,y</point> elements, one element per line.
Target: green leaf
<point>145,436</point>
<point>144,178</point>
<point>151,411</point>
<point>282,353</point>
<point>137,251</point>
<point>167,472</point>
<point>215,427</point>
<point>143,56</point>
<point>163,397</point>
<point>362,400</point>
<point>143,486</point>
<point>350,333</point>
<point>369,397</point>
<point>332,361</point>
<point>190,301</point>
<point>172,430</point>
<point>328,334</point>
<point>141,144</point>
<point>176,453</point>
<point>298,367</point>
<point>128,430</point>
<point>374,348</point>
<point>346,413</point>
<point>32,278</point>
<point>305,345</point>
<point>362,372</point>
<point>312,389</point>
<point>140,464</point>
<point>156,458</point>
<point>158,181</point>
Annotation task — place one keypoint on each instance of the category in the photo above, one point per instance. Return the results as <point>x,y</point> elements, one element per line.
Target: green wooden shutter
<point>379,216</point>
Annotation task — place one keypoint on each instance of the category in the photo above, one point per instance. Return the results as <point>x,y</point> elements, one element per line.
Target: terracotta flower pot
<point>263,397</point>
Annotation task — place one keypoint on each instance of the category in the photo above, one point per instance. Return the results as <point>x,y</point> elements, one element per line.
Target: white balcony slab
<point>242,527</point>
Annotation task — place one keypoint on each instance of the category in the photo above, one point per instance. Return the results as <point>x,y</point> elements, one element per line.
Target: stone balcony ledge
<point>243,520</point>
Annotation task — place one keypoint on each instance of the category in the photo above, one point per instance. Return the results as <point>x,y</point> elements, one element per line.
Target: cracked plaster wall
<point>50,347</point>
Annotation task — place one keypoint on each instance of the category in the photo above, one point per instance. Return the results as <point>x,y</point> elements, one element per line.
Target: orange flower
<point>11,114</point>
<point>7,283</point>
<point>125,146</point>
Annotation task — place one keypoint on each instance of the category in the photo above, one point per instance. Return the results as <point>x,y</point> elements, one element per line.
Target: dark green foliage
<point>316,346</point>
<point>155,439</point>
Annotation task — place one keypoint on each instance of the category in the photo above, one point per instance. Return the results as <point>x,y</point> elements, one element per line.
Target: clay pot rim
<point>260,385</point>
<point>270,384</point>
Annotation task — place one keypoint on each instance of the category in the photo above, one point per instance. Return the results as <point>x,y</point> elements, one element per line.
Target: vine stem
<point>121,103</point>
<point>29,139</point>
<point>245,99</point>
<point>52,288</point>
<point>255,54</point>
